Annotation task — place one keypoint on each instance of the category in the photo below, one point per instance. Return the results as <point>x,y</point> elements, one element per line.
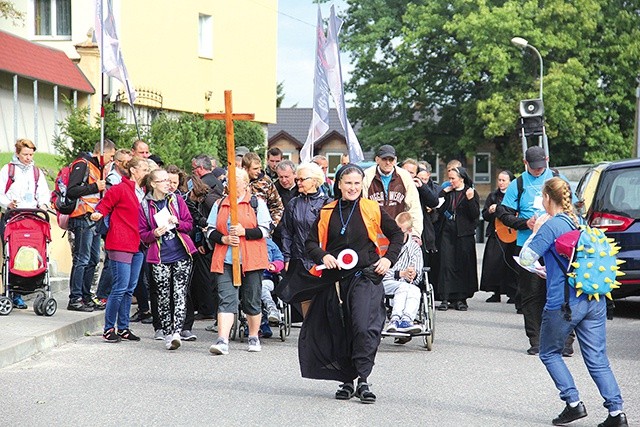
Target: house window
<point>286,155</point>
<point>482,169</point>
<point>52,18</point>
<point>334,162</point>
<point>205,36</point>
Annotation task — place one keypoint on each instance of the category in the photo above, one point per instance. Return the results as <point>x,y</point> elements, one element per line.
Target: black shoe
<point>493,298</point>
<point>461,306</point>
<point>533,350</point>
<point>444,306</point>
<point>401,340</point>
<point>147,319</point>
<point>202,316</point>
<point>619,420</point>
<point>78,305</point>
<point>570,414</point>
<point>365,395</point>
<point>110,336</point>
<point>126,334</point>
<point>140,316</point>
<point>345,391</point>
<point>567,351</point>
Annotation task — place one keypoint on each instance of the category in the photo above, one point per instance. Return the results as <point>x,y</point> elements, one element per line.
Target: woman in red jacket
<point>121,202</point>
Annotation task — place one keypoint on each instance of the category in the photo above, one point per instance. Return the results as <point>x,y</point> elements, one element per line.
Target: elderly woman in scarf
<point>459,214</point>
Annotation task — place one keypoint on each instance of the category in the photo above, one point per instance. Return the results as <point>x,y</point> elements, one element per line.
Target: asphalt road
<point>477,375</point>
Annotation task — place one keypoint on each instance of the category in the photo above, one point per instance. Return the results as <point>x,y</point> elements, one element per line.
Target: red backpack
<point>64,205</point>
<point>12,178</point>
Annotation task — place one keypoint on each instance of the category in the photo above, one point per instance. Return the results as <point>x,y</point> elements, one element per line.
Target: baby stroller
<point>25,270</point>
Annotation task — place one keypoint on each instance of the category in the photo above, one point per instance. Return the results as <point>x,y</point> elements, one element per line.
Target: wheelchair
<point>425,317</point>
<point>240,328</point>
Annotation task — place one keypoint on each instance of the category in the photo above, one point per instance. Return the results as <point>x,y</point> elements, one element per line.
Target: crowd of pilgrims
<point>168,244</point>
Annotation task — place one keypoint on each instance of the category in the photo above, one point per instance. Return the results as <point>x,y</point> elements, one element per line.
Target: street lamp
<point>523,43</point>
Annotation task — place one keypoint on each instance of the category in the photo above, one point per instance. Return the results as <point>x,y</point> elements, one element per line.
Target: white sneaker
<point>172,342</point>
<point>220,347</point>
<point>254,344</point>
<point>158,335</point>
<point>273,316</point>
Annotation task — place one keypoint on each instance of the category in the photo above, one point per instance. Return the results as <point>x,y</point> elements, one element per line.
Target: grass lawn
<point>48,163</point>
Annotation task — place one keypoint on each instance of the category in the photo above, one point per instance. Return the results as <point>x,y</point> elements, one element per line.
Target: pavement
<point>23,334</point>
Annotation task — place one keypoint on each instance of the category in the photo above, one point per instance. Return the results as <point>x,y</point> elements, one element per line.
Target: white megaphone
<point>347,259</point>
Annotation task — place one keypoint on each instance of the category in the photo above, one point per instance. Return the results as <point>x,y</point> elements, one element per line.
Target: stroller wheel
<point>38,306</point>
<point>6,305</point>
<point>49,307</point>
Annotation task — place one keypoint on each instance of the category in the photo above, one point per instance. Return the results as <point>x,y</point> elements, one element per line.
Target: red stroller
<point>25,270</point>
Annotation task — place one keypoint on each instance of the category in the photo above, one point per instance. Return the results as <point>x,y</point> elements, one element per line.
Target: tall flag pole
<point>334,77</point>
<point>320,116</point>
<point>111,59</point>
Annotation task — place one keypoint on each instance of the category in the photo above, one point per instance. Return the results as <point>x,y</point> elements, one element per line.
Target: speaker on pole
<point>531,108</point>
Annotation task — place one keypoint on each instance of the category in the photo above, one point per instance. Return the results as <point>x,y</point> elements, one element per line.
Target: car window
<point>620,192</point>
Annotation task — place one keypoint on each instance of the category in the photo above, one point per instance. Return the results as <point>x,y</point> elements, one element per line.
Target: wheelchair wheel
<point>287,319</point>
<point>428,308</point>
<point>234,328</point>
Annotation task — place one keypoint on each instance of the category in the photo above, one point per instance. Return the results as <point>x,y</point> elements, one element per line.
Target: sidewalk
<point>23,334</point>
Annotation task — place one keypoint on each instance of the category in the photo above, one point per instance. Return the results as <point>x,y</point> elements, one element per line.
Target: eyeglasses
<point>302,179</point>
<point>161,180</point>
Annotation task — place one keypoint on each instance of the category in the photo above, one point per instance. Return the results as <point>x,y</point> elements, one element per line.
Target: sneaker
<point>172,342</point>
<point>401,340</point>
<point>186,335</point>
<point>110,335</point>
<point>79,305</point>
<point>139,316</point>
<point>18,302</point>
<point>265,330</point>
<point>570,414</point>
<point>533,350</point>
<point>408,327</point>
<point>619,420</point>
<point>158,335</point>
<point>126,334</point>
<point>98,304</point>
<point>212,328</point>
<point>274,315</point>
<point>254,344</point>
<point>392,326</point>
<point>220,347</point>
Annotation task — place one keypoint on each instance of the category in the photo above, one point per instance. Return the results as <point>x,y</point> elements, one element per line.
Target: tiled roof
<point>296,122</point>
<point>36,62</point>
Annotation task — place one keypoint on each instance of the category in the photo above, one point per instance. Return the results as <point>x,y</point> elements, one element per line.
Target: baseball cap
<point>241,151</point>
<point>386,151</point>
<point>536,157</point>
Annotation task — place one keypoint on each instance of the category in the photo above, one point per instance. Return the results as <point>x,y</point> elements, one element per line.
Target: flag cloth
<point>109,45</point>
<point>320,116</point>
<point>334,77</point>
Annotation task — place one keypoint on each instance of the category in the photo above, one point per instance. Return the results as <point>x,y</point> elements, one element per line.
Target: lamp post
<point>523,43</point>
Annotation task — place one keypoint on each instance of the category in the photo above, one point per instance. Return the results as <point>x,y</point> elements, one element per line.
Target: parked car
<point>610,196</point>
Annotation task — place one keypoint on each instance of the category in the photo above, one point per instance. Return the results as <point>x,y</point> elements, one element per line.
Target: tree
<point>178,140</point>
<point>442,77</point>
<point>279,94</point>
<point>77,135</point>
<point>8,11</point>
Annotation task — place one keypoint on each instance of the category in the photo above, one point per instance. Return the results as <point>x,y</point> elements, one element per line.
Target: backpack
<point>12,177</point>
<point>145,208</point>
<point>593,265</point>
<point>64,205</point>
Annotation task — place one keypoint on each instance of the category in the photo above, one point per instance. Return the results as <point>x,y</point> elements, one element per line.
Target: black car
<point>611,195</point>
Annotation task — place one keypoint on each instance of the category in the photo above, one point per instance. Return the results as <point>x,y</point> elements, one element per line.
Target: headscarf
<point>350,167</point>
<point>465,176</point>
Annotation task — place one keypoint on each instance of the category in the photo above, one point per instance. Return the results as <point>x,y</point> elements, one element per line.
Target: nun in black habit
<point>340,335</point>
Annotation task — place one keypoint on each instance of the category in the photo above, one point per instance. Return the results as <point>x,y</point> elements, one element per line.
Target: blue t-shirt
<point>543,243</point>
<point>530,201</point>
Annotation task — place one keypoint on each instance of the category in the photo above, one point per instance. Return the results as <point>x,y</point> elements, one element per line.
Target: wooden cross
<point>228,118</point>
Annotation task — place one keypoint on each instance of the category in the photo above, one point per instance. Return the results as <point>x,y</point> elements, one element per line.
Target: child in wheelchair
<point>270,314</point>
<point>401,282</point>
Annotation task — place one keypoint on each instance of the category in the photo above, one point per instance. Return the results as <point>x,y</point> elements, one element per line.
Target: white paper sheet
<point>162,218</point>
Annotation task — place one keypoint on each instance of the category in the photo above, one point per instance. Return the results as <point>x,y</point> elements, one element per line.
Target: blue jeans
<point>86,255</point>
<point>588,319</point>
<point>125,279</point>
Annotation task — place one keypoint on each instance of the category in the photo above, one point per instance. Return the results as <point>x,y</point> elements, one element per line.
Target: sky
<point>296,48</point>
